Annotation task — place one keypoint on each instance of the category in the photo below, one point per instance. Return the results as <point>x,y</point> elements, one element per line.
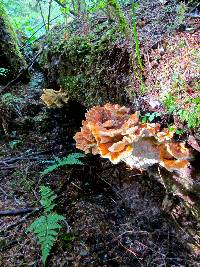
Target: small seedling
<point>150,116</point>
<point>14,144</point>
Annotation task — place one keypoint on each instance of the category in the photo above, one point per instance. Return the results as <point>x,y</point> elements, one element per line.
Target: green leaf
<point>144,119</point>
<point>46,229</point>
<point>71,159</point>
<point>47,198</point>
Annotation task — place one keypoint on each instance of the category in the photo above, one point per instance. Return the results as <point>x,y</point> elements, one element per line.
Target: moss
<point>11,57</point>
<point>93,68</point>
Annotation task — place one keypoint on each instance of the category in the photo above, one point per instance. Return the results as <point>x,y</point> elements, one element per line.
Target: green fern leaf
<point>47,198</point>
<point>71,159</point>
<point>46,229</point>
<point>35,225</point>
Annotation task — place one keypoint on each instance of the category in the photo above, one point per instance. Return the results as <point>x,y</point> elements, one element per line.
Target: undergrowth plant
<point>9,99</point>
<point>71,159</point>
<point>119,14</point>
<point>180,16</point>
<point>4,72</point>
<point>149,117</point>
<point>137,50</point>
<point>188,109</point>
<point>46,227</point>
<point>191,116</point>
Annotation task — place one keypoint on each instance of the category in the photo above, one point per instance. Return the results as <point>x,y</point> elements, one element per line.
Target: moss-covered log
<point>11,59</point>
<point>93,67</point>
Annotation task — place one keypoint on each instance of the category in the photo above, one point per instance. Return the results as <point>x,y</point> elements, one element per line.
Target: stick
<point>64,6</point>
<point>22,220</point>
<point>49,15</point>
<point>33,156</point>
<point>13,160</point>
<point>15,212</point>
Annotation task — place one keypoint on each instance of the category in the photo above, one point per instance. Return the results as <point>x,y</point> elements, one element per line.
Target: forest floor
<point>116,216</point>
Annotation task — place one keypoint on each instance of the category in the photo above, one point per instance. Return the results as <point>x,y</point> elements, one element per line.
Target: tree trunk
<point>11,59</point>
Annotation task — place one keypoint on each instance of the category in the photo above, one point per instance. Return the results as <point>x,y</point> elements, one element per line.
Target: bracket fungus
<point>54,99</point>
<point>114,133</point>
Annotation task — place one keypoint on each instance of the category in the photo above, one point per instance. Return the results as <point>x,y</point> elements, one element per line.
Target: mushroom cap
<point>85,140</point>
<point>165,134</point>
<point>102,131</point>
<point>174,156</point>
<point>114,133</point>
<point>54,99</point>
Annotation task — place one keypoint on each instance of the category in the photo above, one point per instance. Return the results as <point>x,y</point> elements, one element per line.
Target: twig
<point>22,220</point>
<point>130,251</point>
<point>68,230</point>
<point>15,212</point>
<point>42,15</point>
<point>49,15</point>
<point>77,186</point>
<point>132,232</point>
<point>33,156</point>
<point>4,192</point>
<point>64,6</point>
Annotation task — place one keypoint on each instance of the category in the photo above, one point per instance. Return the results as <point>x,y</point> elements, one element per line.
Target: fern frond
<point>71,159</point>
<point>47,198</point>
<point>46,229</point>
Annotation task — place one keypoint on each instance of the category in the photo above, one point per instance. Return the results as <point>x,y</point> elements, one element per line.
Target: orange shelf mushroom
<point>114,133</point>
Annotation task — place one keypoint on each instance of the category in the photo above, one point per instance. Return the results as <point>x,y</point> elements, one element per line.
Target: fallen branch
<point>20,221</point>
<point>193,15</point>
<point>15,212</point>
<point>6,162</point>
<point>8,167</point>
<point>32,156</point>
<point>13,160</point>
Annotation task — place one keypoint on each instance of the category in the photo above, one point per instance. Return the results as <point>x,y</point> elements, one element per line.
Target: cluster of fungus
<point>114,133</point>
<point>54,99</point>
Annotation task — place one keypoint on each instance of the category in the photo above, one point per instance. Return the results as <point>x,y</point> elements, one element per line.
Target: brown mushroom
<point>54,99</point>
